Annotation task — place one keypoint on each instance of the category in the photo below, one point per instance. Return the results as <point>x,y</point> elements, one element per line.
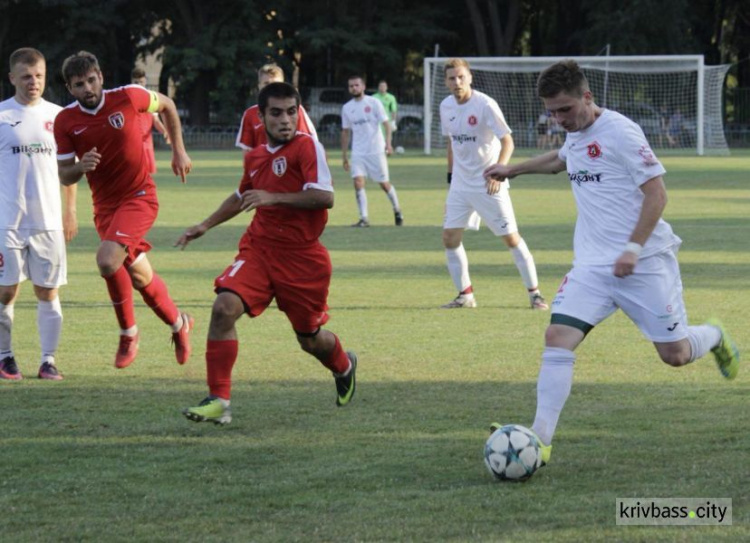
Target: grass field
<point>105,455</point>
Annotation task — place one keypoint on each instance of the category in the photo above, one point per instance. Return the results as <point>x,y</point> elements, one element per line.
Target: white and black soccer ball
<point>400,150</point>
<point>512,453</point>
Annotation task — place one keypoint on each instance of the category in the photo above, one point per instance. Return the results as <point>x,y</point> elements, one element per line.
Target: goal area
<point>676,99</point>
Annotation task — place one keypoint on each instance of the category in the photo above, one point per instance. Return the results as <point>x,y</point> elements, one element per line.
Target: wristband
<point>633,247</point>
<point>450,177</point>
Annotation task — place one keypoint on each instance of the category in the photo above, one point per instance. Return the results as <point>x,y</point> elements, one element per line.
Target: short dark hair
<point>277,90</point>
<point>137,73</point>
<point>358,76</point>
<point>25,55</point>
<point>565,76</point>
<point>79,65</point>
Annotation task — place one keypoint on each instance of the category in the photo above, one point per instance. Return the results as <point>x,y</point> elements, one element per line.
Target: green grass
<point>106,456</point>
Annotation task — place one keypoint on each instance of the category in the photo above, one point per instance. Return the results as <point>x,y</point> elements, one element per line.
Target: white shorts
<point>495,209</point>
<point>651,297</point>
<point>38,255</point>
<point>374,166</point>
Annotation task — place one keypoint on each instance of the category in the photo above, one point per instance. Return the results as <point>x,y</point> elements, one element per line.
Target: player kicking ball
<point>288,184</point>
<point>625,253</point>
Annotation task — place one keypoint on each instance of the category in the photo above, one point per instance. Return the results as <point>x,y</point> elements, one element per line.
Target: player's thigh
<point>14,253</point>
<point>357,167</point>
<point>458,210</point>
<point>301,280</point>
<point>652,298</point>
<point>249,278</point>
<point>497,211</point>
<point>47,262</point>
<point>584,298</point>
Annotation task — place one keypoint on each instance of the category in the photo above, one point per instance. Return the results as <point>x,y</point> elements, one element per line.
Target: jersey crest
<point>279,165</point>
<point>594,150</point>
<point>472,120</point>
<point>117,120</point>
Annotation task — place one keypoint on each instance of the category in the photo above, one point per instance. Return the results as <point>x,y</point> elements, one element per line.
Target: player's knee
<point>675,358</point>
<point>225,312</point>
<point>451,238</point>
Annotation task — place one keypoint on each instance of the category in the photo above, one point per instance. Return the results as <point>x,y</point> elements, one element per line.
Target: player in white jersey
<point>624,253</point>
<point>478,137</point>
<point>32,237</point>
<point>361,118</point>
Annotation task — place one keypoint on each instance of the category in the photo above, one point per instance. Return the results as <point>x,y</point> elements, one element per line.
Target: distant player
<point>252,133</point>
<point>33,224</point>
<point>150,121</point>
<point>288,183</point>
<point>102,129</point>
<point>361,118</point>
<point>478,137</point>
<point>625,255</point>
<point>389,103</point>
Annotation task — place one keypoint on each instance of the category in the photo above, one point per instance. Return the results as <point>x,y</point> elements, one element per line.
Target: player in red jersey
<point>289,185</point>
<point>149,122</point>
<point>103,131</point>
<point>252,133</point>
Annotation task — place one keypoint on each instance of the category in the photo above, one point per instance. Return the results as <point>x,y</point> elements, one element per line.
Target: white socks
<point>362,203</point>
<point>458,267</point>
<point>702,339</point>
<point>525,264</point>
<point>552,390</point>
<point>6,327</point>
<point>393,198</point>
<point>49,320</point>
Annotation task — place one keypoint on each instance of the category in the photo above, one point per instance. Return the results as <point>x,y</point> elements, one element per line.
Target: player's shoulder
<point>251,112</point>
<point>448,102</point>
<point>8,104</point>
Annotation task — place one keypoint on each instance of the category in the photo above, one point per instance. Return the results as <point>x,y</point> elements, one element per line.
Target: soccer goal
<point>677,99</point>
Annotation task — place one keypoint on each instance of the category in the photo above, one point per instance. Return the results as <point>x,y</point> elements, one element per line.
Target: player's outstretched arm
<point>306,199</point>
<point>229,208</point>
<point>345,133</point>
<point>546,163</point>
<point>70,172</point>
<point>181,163</point>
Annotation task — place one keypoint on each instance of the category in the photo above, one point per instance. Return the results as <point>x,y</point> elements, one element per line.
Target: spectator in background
<point>389,103</point>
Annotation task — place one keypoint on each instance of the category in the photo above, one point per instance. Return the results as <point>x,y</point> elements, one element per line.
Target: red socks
<point>156,296</point>
<point>220,358</point>
<point>337,361</point>
<point>121,293</point>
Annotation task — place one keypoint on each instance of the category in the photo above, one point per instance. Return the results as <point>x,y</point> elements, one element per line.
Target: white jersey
<point>607,163</point>
<point>364,118</point>
<point>475,129</point>
<point>29,184</point>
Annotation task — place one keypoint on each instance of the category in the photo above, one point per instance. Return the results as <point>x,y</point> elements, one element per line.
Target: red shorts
<point>128,225</point>
<point>298,278</point>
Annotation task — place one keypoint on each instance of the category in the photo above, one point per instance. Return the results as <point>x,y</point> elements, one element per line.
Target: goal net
<point>677,100</point>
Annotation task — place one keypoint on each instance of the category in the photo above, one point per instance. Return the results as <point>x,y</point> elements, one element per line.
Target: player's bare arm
<point>388,138</point>
<point>345,135</point>
<point>547,163</point>
<point>161,129</point>
<point>70,171</point>
<point>70,215</point>
<point>508,146</point>
<point>651,211</point>
<point>229,208</point>
<point>181,163</point>
<point>306,199</point>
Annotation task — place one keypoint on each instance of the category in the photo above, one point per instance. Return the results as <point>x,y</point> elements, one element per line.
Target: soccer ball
<point>512,453</point>
<point>400,150</point>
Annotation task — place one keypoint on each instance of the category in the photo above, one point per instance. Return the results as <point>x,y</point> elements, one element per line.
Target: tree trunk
<point>480,33</point>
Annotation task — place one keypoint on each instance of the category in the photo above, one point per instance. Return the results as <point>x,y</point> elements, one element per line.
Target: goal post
<point>676,99</point>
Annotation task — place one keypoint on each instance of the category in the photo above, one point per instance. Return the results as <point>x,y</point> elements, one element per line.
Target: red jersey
<point>253,134</point>
<point>115,128</point>
<point>293,167</point>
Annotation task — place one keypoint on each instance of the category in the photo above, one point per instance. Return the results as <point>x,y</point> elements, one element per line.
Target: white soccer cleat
<point>460,301</point>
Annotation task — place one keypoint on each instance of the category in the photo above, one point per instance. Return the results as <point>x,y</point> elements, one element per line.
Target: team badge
<point>647,155</point>
<point>368,109</point>
<point>117,120</point>
<point>49,126</point>
<point>472,120</point>
<point>279,165</point>
<point>594,150</point>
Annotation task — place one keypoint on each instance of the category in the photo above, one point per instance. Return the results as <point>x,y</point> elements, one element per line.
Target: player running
<point>102,130</point>
<point>625,254</point>
<point>288,183</point>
